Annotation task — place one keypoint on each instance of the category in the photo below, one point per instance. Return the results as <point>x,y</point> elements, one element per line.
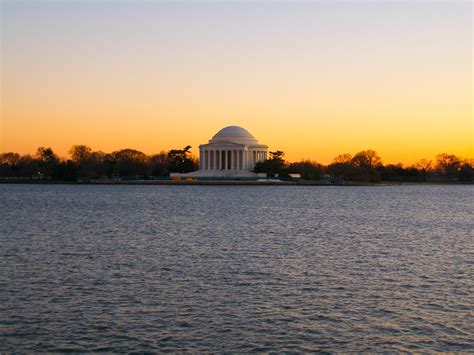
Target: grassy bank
<point>224,182</point>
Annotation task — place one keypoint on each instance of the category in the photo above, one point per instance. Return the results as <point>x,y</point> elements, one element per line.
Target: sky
<point>311,78</point>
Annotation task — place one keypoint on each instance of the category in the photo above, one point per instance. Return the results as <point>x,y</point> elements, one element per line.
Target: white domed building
<point>232,152</point>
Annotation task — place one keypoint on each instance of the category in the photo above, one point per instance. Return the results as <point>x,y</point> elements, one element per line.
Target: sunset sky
<point>312,78</point>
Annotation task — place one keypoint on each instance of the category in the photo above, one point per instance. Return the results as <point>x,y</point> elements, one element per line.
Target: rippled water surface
<point>236,268</point>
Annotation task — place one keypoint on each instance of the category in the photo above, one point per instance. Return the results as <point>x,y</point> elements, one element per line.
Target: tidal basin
<point>236,268</point>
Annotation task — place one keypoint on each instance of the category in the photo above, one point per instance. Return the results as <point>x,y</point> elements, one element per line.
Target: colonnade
<point>230,159</point>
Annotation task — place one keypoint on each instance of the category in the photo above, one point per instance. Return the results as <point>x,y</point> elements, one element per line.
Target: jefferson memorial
<point>232,152</point>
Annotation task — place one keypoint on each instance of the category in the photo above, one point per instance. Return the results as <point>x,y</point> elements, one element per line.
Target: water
<point>236,268</point>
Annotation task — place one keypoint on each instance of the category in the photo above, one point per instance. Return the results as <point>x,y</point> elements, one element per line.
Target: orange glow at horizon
<point>360,77</point>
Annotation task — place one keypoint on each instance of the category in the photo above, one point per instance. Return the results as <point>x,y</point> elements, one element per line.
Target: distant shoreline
<point>227,183</point>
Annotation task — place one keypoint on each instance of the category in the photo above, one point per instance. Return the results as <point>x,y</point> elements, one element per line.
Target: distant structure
<point>232,152</point>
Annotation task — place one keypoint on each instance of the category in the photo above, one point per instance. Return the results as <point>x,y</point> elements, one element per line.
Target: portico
<point>230,158</point>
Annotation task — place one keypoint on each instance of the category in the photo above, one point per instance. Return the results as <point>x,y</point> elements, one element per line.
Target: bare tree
<point>345,158</point>
<point>80,153</point>
<point>447,165</point>
<point>366,159</point>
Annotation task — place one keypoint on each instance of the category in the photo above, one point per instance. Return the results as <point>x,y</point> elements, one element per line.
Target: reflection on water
<point>238,268</point>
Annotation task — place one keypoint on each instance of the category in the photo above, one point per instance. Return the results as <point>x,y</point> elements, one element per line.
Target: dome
<point>234,134</point>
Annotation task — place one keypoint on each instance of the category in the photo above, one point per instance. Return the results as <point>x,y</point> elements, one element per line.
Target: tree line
<point>84,163</point>
<point>367,166</point>
<point>88,164</point>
